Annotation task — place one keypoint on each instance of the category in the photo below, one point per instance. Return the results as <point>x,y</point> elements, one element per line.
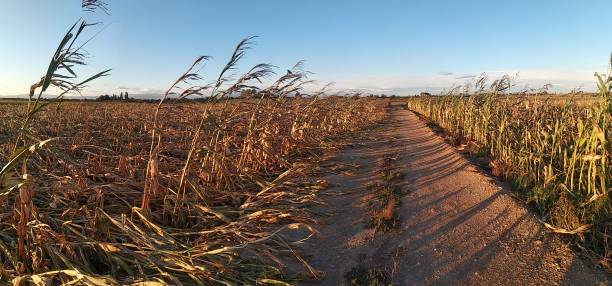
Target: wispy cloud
<point>466,76</point>
<point>139,90</point>
<point>561,81</point>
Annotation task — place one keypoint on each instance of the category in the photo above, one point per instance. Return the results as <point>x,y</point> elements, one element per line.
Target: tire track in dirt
<point>457,225</point>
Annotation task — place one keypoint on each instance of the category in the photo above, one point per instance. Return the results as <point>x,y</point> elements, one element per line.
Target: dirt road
<point>457,226</point>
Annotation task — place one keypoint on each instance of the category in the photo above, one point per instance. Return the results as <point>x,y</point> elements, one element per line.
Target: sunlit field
<point>162,165</point>
<point>554,149</point>
<point>86,208</point>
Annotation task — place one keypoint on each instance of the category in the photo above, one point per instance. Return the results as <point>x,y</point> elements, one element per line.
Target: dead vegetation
<point>241,189</point>
<point>384,209</point>
<point>364,276</point>
<point>135,193</point>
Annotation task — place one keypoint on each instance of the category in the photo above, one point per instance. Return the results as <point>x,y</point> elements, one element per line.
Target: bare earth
<point>458,226</point>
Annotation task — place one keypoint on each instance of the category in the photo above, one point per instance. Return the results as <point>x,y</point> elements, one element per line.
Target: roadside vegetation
<point>555,152</point>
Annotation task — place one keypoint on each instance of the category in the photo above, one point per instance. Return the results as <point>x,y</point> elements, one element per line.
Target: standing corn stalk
<point>557,155</point>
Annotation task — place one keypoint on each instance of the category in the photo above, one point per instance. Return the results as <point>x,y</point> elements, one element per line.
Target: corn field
<point>555,152</point>
<point>180,192</point>
<point>85,222</point>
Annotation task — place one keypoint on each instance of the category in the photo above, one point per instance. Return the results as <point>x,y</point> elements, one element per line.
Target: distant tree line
<point>382,95</point>
<point>243,94</point>
<point>121,96</point>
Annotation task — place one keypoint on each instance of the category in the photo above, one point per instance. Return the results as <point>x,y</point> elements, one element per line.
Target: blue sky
<point>383,46</point>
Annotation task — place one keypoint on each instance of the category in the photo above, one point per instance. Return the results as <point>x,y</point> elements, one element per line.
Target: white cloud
<point>140,90</point>
<point>562,81</point>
